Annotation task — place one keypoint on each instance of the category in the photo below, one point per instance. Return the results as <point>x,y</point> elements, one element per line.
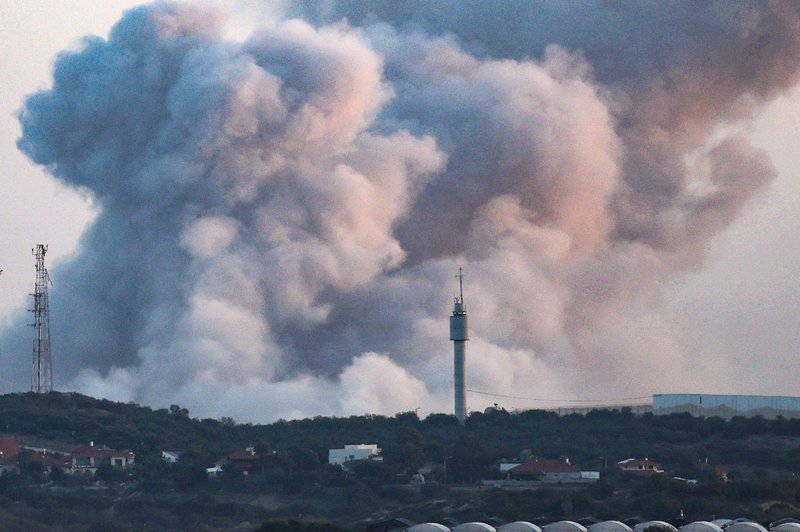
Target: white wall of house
<point>361,451</point>
<point>562,475</point>
<point>170,456</point>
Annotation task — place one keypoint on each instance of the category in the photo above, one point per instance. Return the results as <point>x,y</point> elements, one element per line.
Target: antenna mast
<point>461,284</point>
<point>42,381</point>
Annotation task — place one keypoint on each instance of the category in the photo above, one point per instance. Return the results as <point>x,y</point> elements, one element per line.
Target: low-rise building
<point>505,467</point>
<point>351,453</point>
<point>89,457</point>
<point>640,466</point>
<point>727,406</point>
<point>546,469</point>
<point>214,472</point>
<point>244,460</point>
<point>170,456</point>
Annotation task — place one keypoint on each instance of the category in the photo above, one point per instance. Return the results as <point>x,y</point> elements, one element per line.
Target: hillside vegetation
<point>293,481</point>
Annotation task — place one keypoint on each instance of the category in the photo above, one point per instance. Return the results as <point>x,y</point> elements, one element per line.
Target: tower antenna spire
<point>461,283</point>
<point>42,381</point>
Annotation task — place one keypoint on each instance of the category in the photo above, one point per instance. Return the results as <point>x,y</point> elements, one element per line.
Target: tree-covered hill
<point>291,478</point>
<point>590,440</point>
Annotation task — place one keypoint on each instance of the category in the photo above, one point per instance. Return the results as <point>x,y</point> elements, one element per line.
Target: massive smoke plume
<point>281,218</point>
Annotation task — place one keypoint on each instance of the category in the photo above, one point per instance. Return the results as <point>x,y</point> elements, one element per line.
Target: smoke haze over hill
<point>281,217</point>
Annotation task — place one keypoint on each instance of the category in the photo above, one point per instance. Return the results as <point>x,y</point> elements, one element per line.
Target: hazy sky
<point>728,317</point>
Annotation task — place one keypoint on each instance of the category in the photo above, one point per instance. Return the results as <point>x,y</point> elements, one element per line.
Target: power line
<point>551,400</point>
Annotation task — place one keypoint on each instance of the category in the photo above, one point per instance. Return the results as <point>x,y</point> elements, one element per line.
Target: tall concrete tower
<point>459,334</point>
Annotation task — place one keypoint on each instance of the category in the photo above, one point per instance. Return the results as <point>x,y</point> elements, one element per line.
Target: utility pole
<point>42,381</point>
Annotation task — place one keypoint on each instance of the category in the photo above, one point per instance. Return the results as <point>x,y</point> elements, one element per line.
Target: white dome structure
<point>745,526</point>
<point>722,523</point>
<point>701,526</point>
<point>786,527</point>
<point>564,526</point>
<point>609,526</point>
<point>428,527</point>
<point>473,527</point>
<point>519,526</point>
<point>663,525</point>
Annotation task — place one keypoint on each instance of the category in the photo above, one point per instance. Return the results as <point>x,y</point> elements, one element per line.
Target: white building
<point>350,453</point>
<point>171,456</point>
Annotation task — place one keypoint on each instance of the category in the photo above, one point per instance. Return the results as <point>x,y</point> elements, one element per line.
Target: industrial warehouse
<point>703,405</point>
<point>727,406</point>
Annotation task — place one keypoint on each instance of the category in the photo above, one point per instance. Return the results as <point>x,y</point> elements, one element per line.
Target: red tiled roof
<point>9,445</point>
<point>9,449</point>
<point>49,459</point>
<point>99,452</point>
<point>242,456</point>
<point>540,466</point>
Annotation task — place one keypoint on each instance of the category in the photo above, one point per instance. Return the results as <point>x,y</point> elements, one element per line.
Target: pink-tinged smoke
<point>281,218</point>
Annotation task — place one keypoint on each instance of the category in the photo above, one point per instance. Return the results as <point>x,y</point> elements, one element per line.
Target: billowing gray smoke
<point>281,218</point>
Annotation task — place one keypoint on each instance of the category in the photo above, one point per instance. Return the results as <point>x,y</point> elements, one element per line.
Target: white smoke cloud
<point>278,211</point>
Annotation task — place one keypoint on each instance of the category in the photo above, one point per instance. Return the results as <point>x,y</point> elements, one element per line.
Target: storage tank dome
<point>564,526</point>
<point>662,525</point>
<point>701,526</point>
<point>473,527</point>
<point>609,526</point>
<point>519,526</point>
<point>745,526</point>
<point>786,527</point>
<point>428,527</point>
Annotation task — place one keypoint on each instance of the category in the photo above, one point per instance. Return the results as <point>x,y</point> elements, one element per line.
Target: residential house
<point>214,472</point>
<point>505,467</point>
<point>350,453</point>
<point>89,457</point>
<point>640,466</point>
<point>171,456</point>
<point>244,460</point>
<point>546,469</point>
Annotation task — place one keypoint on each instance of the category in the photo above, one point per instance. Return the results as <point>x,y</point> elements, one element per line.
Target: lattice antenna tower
<point>42,381</point>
